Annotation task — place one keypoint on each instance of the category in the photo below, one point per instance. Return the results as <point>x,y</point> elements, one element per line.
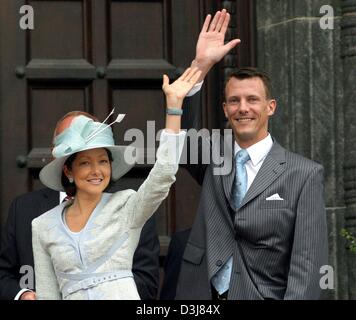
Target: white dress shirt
<point>257,153</point>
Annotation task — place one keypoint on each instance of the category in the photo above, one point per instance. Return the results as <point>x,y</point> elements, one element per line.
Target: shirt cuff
<point>17,297</point>
<point>195,89</point>
<point>166,134</point>
<point>172,144</point>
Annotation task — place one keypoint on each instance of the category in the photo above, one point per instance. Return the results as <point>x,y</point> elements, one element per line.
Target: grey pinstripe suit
<point>278,246</point>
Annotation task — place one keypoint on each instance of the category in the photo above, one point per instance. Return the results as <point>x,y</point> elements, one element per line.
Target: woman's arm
<point>175,94</point>
<point>156,187</point>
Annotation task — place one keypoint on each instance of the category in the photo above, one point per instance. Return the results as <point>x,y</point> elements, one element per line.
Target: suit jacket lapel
<point>227,182</point>
<point>219,236</point>
<point>272,167</point>
<point>228,179</point>
<point>220,229</point>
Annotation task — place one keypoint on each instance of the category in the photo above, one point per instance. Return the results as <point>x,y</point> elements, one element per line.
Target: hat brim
<point>124,159</point>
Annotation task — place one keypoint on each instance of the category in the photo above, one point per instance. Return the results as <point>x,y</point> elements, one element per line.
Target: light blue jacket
<point>98,265</point>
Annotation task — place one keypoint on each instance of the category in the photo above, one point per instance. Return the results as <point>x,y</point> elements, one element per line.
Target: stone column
<point>348,54</point>
<point>304,61</point>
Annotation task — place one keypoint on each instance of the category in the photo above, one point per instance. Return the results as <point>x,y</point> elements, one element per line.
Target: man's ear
<point>224,108</point>
<point>272,105</point>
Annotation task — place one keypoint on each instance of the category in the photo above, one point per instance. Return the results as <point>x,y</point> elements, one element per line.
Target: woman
<point>83,249</point>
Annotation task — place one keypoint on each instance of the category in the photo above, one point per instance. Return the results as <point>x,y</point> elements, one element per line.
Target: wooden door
<point>93,55</point>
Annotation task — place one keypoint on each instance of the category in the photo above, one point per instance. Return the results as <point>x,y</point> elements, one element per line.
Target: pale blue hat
<point>84,134</point>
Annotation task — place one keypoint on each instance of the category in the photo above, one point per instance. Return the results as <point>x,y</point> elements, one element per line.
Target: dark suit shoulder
<point>32,204</point>
<point>29,197</point>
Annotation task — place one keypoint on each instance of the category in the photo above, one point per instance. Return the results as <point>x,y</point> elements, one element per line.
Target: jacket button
<point>219,263</point>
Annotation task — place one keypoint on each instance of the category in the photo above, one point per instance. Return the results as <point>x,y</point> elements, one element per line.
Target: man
<point>16,246</point>
<point>260,231</point>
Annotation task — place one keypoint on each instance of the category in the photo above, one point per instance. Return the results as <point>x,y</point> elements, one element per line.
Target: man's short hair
<point>249,72</point>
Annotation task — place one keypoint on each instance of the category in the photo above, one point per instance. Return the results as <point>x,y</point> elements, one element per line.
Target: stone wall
<point>315,86</point>
<point>348,55</point>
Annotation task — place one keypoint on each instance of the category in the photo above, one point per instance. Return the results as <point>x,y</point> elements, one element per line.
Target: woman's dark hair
<point>70,188</point>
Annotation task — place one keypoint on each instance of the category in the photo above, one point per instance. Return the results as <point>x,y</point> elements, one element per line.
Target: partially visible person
<point>83,249</point>
<point>16,246</point>
<point>172,264</point>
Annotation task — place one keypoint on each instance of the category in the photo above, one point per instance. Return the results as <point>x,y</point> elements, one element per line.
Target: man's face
<point>247,108</point>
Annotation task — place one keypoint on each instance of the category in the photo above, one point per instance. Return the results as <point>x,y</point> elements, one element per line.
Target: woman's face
<point>91,171</point>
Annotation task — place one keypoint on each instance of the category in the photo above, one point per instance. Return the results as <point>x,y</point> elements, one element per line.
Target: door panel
<point>140,106</point>
<point>95,55</point>
<point>59,30</point>
<point>91,56</point>
<point>137,26</point>
<point>56,100</point>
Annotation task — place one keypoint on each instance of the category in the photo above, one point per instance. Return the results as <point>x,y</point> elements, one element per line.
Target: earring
<point>71,180</point>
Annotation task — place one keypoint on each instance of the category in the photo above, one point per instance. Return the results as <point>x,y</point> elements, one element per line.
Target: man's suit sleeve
<point>146,261</point>
<point>9,264</point>
<point>173,263</point>
<point>310,244</point>
<point>191,119</point>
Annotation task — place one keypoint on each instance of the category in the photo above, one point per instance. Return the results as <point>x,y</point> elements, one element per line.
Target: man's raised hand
<point>210,47</point>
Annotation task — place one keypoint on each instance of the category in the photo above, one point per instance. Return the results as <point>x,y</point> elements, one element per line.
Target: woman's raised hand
<point>176,91</point>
